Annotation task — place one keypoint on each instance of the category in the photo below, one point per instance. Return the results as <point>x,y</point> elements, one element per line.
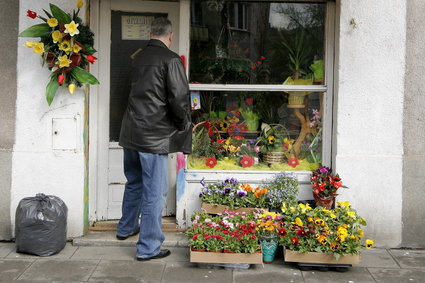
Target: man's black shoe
<point>121,238</point>
<point>162,254</point>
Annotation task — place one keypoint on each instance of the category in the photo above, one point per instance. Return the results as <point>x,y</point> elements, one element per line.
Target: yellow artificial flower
<point>52,22</point>
<point>80,4</point>
<point>38,47</point>
<point>71,88</point>
<point>369,244</point>
<point>29,44</point>
<point>65,46</point>
<point>57,36</point>
<point>360,233</point>
<point>298,221</point>
<point>63,61</point>
<point>76,48</point>
<point>72,28</point>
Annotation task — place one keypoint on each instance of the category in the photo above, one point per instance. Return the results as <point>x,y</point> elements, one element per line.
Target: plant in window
<point>66,46</point>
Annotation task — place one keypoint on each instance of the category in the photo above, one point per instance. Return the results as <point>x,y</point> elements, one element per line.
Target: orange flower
<point>247,187</point>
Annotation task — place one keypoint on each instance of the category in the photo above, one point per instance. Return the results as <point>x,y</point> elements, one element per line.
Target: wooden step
<point>168,225</point>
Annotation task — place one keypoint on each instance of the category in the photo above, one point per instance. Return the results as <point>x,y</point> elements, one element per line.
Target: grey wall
<point>414,128</point>
<point>8,46</point>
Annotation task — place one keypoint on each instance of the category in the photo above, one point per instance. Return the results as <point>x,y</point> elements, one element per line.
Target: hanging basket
<point>274,157</point>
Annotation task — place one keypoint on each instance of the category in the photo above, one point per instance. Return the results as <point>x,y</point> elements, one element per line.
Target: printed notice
<point>136,27</point>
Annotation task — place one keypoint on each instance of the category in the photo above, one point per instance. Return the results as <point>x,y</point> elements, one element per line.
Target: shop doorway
<point>122,28</point>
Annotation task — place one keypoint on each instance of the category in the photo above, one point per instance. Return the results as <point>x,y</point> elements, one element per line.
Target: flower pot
<point>269,246</point>
<point>219,251</point>
<point>197,250</point>
<point>324,202</point>
<point>274,157</point>
<point>229,251</point>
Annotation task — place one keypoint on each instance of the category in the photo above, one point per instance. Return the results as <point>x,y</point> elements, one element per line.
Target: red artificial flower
<point>91,58</point>
<point>207,124</point>
<point>259,62</point>
<point>211,162</point>
<point>31,14</point>
<point>263,58</point>
<point>247,161</point>
<point>293,162</point>
<point>249,101</point>
<point>210,132</point>
<point>253,67</point>
<point>243,127</point>
<point>61,79</point>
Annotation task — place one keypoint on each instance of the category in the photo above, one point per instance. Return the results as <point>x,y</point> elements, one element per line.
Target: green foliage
<point>36,31</point>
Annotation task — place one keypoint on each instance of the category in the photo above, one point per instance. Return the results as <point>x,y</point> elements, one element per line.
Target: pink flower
<point>247,161</point>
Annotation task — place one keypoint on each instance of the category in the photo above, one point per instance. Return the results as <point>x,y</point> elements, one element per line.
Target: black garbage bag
<point>40,225</point>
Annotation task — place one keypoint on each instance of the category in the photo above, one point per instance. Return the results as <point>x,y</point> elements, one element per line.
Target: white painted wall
<point>368,144</point>
<point>36,167</point>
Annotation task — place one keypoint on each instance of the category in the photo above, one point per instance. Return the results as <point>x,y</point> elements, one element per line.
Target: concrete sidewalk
<point>103,259</point>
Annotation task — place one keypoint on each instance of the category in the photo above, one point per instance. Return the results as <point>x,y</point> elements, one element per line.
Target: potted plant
<point>282,188</point>
<point>269,227</point>
<point>325,185</point>
<point>272,142</point>
<point>322,235</point>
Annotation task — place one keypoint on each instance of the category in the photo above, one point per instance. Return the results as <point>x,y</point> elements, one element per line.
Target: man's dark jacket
<point>157,118</point>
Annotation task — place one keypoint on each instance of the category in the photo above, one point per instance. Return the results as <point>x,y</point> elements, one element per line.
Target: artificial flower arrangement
<point>229,232</point>
<point>274,138</point>
<point>233,194</point>
<point>337,232</point>
<point>66,47</point>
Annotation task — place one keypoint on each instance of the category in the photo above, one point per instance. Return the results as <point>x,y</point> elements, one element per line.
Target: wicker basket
<point>274,157</point>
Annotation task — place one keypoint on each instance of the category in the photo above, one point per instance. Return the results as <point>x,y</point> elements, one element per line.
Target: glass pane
<point>257,131</point>
<point>257,42</point>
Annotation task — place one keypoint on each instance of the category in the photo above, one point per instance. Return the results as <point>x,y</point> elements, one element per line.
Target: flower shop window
<point>261,80</point>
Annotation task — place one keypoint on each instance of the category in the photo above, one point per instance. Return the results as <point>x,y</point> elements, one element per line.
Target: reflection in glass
<point>257,131</point>
<point>256,42</point>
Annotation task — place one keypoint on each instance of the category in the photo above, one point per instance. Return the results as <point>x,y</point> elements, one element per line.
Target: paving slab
<point>377,258</point>
<point>397,275</point>
<point>124,271</point>
<point>11,269</point>
<point>190,272</point>
<point>112,253</point>
<point>57,270</point>
<point>65,253</point>
<point>409,258</point>
<point>276,272</point>
<point>6,248</point>
<point>354,274</point>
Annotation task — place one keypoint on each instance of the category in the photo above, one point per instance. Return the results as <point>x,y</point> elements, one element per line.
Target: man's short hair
<point>160,27</point>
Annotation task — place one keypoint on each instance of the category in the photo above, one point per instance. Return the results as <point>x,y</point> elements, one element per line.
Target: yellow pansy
<point>283,208</point>
<point>344,204</point>
<point>63,61</point>
<point>29,44</point>
<point>332,215</point>
<point>72,28</point>
<point>270,228</point>
<point>360,233</point>
<point>304,207</point>
<point>38,47</point>
<point>52,22</point>
<point>271,139</point>
<point>76,48</point>
<point>292,209</point>
<point>80,4</point>
<point>298,221</point>
<point>71,88</point>
<point>65,46</point>
<point>351,214</point>
<point>369,244</point>
<point>57,36</point>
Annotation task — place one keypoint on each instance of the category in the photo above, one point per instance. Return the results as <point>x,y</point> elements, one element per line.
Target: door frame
<point>99,103</point>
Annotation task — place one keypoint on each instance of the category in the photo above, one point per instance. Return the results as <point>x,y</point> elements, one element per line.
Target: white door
<point>123,27</point>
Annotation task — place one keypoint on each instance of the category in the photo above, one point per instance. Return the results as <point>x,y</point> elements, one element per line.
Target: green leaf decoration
<point>48,14</point>
<point>59,14</point>
<point>36,31</point>
<point>89,49</point>
<point>83,76</point>
<point>51,89</point>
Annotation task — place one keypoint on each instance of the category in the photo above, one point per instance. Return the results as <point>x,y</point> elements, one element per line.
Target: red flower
<point>211,162</point>
<point>61,79</point>
<point>294,241</point>
<point>247,161</point>
<point>91,58</point>
<point>31,14</point>
<point>207,124</point>
<point>282,232</point>
<point>253,67</point>
<point>259,62</point>
<point>210,132</point>
<point>195,237</point>
<point>238,138</point>
<point>243,128</point>
<point>253,237</point>
<point>221,140</point>
<point>263,58</point>
<point>249,101</point>
<point>293,162</point>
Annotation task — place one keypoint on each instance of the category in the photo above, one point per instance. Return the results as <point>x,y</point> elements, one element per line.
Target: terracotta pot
<point>324,202</point>
<point>220,251</point>
<point>229,252</point>
<point>198,250</point>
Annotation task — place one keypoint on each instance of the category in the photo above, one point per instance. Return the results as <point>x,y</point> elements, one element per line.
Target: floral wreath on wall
<point>66,47</point>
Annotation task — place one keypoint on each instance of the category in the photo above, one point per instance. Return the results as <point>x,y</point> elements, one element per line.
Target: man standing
<point>156,122</point>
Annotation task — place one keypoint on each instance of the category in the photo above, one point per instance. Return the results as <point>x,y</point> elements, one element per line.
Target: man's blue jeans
<point>145,195</point>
